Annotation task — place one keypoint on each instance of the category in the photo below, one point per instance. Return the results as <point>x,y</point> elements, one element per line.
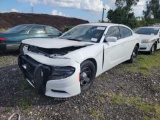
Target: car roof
<point>33,25</point>
<point>150,27</point>
<point>106,24</point>
<point>103,24</point>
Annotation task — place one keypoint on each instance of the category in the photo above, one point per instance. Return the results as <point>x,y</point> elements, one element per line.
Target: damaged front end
<point>49,72</point>
<point>53,52</point>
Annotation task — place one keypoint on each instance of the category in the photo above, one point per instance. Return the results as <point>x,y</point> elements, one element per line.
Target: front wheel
<point>134,54</point>
<point>153,49</point>
<point>87,75</point>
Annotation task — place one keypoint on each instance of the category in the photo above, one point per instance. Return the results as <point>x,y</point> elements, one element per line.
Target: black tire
<point>39,80</point>
<point>153,49</point>
<point>21,48</point>
<point>134,55</point>
<point>87,75</point>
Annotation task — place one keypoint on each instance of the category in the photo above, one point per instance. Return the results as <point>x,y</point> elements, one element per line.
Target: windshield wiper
<point>74,39</point>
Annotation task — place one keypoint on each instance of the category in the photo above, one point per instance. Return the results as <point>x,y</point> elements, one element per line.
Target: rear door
<point>129,41</point>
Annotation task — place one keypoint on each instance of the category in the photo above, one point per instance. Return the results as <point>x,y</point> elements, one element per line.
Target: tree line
<point>123,14</point>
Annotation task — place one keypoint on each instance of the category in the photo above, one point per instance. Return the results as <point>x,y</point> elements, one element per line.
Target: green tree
<point>153,8</point>
<point>126,3</point>
<point>123,13</point>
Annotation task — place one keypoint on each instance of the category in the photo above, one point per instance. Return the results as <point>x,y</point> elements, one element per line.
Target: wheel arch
<point>137,45</point>
<point>92,60</point>
<point>156,42</point>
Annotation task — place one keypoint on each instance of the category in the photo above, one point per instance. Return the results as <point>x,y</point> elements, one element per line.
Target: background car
<point>150,39</point>
<point>11,39</point>
<point>66,66</point>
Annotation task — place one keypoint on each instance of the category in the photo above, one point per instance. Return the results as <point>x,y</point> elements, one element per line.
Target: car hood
<point>54,43</point>
<point>148,37</point>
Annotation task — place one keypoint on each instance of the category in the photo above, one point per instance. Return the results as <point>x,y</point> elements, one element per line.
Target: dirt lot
<point>126,92</point>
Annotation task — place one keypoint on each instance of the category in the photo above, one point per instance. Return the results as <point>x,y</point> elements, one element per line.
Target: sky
<point>90,10</point>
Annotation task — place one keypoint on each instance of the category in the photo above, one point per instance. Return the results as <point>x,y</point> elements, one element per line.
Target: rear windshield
<point>18,28</point>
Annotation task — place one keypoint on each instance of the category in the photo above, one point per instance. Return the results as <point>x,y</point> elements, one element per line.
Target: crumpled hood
<point>54,43</point>
<point>148,37</point>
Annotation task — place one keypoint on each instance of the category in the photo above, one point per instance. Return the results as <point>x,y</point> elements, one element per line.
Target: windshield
<point>17,29</point>
<point>85,33</point>
<point>147,31</point>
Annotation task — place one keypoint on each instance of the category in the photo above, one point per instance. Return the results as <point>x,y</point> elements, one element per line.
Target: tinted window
<point>113,32</point>
<point>125,32</point>
<point>51,30</point>
<point>37,30</point>
<point>147,31</point>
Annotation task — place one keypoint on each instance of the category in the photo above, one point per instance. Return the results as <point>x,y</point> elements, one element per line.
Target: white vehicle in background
<point>150,39</point>
<point>66,66</point>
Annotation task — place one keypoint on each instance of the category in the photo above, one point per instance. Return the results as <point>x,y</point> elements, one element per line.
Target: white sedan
<point>150,39</point>
<point>66,66</point>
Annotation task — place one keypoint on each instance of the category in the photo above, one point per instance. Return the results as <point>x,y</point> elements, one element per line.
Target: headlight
<point>61,72</point>
<point>145,41</point>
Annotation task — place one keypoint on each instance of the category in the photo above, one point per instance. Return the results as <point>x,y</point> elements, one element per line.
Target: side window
<point>37,30</point>
<point>51,30</point>
<point>113,32</point>
<point>125,32</point>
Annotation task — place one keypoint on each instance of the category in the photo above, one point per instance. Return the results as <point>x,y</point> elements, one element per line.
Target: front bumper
<point>37,70</point>
<point>145,47</point>
<point>2,47</point>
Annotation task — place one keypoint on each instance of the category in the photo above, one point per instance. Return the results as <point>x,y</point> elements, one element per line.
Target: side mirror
<point>60,34</point>
<point>110,39</point>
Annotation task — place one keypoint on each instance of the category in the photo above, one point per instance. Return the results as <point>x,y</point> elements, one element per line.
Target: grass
<point>148,108</point>
<point>7,60</point>
<point>8,110</point>
<point>144,63</point>
<point>25,103</point>
<point>154,88</point>
<point>147,118</point>
<point>23,85</point>
<point>96,114</point>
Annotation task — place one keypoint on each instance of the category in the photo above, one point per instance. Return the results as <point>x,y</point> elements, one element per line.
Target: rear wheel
<point>134,54</point>
<point>87,75</point>
<point>153,49</point>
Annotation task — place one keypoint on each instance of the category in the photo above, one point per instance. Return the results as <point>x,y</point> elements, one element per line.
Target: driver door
<point>114,52</point>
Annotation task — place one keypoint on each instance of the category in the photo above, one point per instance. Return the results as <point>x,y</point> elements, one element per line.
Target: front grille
<point>28,66</point>
<point>143,48</point>
<point>34,71</point>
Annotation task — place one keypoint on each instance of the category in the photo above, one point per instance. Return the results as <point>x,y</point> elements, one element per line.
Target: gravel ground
<point>114,96</point>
